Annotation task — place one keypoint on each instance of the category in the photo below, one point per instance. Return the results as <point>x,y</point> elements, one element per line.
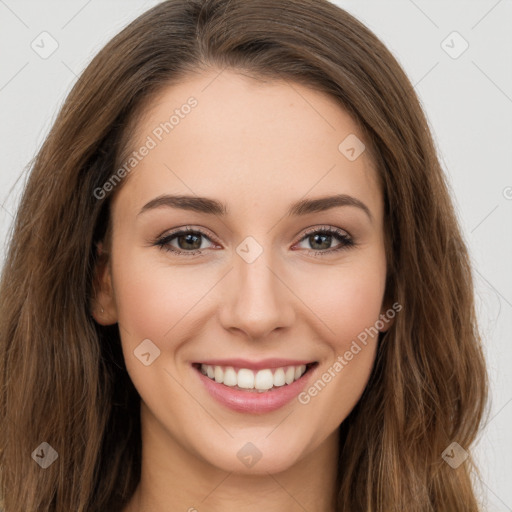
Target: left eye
<point>322,238</point>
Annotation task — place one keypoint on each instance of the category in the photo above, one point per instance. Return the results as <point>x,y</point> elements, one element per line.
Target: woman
<point>314,348</point>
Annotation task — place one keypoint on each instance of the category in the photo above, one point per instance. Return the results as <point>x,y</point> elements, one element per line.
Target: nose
<point>256,299</point>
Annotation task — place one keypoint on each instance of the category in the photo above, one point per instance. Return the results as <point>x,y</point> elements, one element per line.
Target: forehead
<point>218,133</point>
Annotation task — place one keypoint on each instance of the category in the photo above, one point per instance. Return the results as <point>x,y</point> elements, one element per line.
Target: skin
<point>258,146</point>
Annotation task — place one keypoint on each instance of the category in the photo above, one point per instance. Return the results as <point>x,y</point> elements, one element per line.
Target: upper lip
<point>256,365</point>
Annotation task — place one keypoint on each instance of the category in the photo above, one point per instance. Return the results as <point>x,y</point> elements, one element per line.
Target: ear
<point>103,306</point>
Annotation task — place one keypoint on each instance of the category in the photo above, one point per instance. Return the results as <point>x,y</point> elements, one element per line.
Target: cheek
<point>153,303</point>
<point>349,307</point>
<point>348,299</point>
<point>151,298</point>
<point>350,311</point>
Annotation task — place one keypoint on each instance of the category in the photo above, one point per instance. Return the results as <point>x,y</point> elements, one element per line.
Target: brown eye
<point>320,240</point>
<point>187,241</point>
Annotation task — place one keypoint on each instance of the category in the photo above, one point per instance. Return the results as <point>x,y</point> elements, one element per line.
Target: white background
<point>468,101</point>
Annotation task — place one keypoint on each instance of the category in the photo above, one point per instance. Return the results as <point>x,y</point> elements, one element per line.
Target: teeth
<point>279,377</point>
<point>264,380</point>
<point>261,380</point>
<point>230,378</point>
<point>245,379</point>
<point>299,371</point>
<point>290,374</point>
<point>218,374</point>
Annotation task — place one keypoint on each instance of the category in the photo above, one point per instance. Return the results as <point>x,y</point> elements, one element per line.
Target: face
<point>257,291</point>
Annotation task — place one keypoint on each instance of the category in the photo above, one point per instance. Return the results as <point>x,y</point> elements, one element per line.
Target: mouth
<point>264,387</point>
<point>251,380</point>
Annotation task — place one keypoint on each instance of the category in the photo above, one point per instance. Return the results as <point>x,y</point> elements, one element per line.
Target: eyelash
<point>346,242</point>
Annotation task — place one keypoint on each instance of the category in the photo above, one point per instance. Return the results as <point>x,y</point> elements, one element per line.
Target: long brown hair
<point>63,380</point>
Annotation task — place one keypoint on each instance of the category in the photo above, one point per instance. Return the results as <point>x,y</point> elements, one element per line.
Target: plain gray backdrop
<point>458,55</point>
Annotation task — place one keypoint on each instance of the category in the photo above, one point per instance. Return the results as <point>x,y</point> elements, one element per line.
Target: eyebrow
<point>214,207</point>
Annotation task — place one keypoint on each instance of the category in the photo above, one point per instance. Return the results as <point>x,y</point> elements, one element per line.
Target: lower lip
<point>254,402</point>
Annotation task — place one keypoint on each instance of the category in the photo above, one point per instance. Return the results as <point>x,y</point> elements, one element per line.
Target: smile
<point>249,380</point>
<point>261,389</point>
